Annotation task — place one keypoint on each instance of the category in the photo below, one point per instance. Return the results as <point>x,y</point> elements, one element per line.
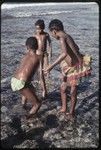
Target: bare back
<point>71,49</point>
<point>28,67</point>
<point>42,42</point>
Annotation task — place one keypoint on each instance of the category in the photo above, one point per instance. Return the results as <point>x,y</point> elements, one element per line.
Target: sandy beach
<point>49,129</point>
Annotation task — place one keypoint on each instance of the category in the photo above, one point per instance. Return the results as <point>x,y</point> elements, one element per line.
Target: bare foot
<point>62,110</point>
<point>35,108</point>
<point>33,111</point>
<point>69,116</point>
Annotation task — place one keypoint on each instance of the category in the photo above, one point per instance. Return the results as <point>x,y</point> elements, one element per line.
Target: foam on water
<point>29,14</point>
<point>10,10</point>
<point>13,5</point>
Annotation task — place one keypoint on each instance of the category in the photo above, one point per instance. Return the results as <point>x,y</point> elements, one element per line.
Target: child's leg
<point>73,100</point>
<point>24,100</point>
<point>39,73</point>
<point>30,95</point>
<point>46,63</point>
<point>63,96</point>
<point>42,80</point>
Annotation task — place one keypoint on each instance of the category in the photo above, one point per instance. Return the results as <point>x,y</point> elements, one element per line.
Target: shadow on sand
<point>34,134</point>
<point>90,105</point>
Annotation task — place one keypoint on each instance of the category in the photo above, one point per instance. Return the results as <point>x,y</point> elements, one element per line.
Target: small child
<point>73,65</point>
<point>43,38</point>
<point>21,80</point>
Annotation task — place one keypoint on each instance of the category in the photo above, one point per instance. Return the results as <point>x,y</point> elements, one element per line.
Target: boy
<point>21,81</point>
<point>43,38</point>
<point>73,64</point>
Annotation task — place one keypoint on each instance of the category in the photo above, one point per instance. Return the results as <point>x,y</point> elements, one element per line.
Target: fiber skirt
<point>76,73</point>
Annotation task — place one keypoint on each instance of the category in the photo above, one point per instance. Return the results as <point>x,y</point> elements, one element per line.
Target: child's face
<point>38,29</point>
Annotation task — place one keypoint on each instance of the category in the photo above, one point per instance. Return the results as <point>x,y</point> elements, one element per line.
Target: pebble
<point>4,109</point>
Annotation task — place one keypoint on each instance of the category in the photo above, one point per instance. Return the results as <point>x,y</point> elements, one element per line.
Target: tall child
<point>73,64</point>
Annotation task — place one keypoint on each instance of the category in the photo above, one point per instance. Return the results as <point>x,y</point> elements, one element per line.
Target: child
<point>21,81</point>
<point>43,38</point>
<point>73,64</point>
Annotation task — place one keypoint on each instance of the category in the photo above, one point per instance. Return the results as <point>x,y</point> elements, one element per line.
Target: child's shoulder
<point>65,37</point>
<point>35,57</point>
<point>68,35</point>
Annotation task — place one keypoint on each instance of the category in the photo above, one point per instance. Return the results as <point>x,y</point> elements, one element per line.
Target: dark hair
<point>32,43</point>
<point>40,23</point>
<point>56,25</point>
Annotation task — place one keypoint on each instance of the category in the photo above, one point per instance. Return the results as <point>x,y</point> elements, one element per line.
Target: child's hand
<point>47,70</point>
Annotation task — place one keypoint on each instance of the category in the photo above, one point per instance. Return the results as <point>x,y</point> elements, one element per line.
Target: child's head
<point>40,26</point>
<point>55,26</point>
<point>31,43</point>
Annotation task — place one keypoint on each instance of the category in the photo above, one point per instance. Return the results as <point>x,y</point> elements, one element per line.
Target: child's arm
<point>61,56</point>
<point>58,60</point>
<point>50,47</point>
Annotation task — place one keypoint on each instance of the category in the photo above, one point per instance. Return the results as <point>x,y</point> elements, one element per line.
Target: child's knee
<point>63,88</point>
<point>73,90</point>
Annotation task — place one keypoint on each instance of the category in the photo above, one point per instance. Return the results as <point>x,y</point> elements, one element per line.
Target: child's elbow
<point>64,54</point>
